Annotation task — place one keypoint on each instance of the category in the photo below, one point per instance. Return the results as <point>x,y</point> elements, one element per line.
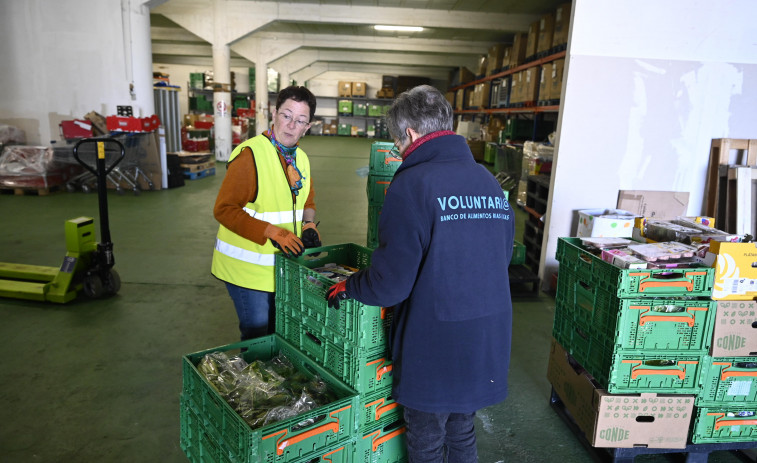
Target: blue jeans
<point>440,437</point>
<point>256,311</point>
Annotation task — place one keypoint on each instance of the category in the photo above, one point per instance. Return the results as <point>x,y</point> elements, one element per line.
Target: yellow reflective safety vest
<point>245,263</point>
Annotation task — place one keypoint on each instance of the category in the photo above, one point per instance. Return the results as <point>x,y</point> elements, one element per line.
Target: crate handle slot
<point>282,443</point>
<point>313,337</point>
<point>665,280</point>
<point>645,419</point>
<point>642,368</point>
<point>722,421</point>
<point>679,317</point>
<point>727,372</point>
<point>581,297</point>
<point>378,439</point>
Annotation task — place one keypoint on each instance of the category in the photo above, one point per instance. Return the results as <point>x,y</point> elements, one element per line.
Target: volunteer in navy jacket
<point>445,243</point>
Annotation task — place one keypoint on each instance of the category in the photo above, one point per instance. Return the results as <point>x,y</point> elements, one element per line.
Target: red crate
<point>76,128</point>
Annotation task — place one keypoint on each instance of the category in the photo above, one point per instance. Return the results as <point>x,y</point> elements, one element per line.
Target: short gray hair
<point>423,109</point>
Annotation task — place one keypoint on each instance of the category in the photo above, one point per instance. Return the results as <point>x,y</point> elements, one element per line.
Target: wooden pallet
<point>717,186</point>
<point>198,167</point>
<point>740,215</point>
<point>29,191</point>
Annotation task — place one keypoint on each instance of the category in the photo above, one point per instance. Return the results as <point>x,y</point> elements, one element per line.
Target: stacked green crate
<point>359,109</point>
<point>633,330</point>
<point>344,107</point>
<point>211,430</point>
<point>726,407</point>
<point>351,343</point>
<point>383,165</point>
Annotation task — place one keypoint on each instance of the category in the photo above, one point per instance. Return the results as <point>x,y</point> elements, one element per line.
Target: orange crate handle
<point>283,443</point>
<point>381,408</point>
<point>325,457</point>
<point>726,373</point>
<point>378,440</point>
<point>686,317</point>
<point>723,422</point>
<point>648,280</point>
<point>638,370</point>
<point>381,368</point>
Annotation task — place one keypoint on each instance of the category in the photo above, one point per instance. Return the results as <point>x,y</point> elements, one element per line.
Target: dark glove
<point>311,238</point>
<point>284,240</point>
<point>337,293</point>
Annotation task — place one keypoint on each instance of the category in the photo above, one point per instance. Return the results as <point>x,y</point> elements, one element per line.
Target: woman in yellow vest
<point>265,200</point>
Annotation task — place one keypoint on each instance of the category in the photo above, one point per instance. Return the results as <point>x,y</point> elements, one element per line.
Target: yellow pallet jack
<point>88,265</point>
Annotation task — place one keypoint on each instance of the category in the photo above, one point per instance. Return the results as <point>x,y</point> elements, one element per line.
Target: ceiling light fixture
<point>380,27</point>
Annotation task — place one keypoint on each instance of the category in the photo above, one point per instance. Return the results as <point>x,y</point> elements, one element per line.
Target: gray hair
<point>423,109</point>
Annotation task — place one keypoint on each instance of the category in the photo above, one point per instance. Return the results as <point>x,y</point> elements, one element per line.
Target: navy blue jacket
<point>445,243</point>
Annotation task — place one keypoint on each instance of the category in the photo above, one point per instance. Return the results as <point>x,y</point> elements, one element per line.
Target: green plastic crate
<point>723,424</point>
<point>345,107</point>
<point>285,441</point>
<point>649,324</point>
<point>376,187</point>
<point>686,282</point>
<point>344,129</point>
<point>519,253</point>
<point>728,381</point>
<point>196,80</point>
<point>375,110</point>
<point>490,153</point>
<point>383,445</point>
<point>382,162</point>
<point>301,291</point>
<point>660,373</point>
<point>359,109</point>
<point>374,213</point>
<point>365,371</point>
<point>378,409</point>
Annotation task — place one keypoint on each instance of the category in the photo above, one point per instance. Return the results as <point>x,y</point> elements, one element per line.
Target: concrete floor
<point>100,380</point>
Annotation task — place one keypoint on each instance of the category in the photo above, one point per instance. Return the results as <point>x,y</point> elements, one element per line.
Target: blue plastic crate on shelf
<point>298,439</point>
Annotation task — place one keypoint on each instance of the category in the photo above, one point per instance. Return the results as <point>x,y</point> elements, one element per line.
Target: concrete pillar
<point>222,101</point>
<point>261,95</point>
<point>138,51</point>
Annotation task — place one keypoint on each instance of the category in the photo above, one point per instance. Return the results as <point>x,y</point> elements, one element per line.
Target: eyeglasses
<point>288,119</point>
<point>395,152</point>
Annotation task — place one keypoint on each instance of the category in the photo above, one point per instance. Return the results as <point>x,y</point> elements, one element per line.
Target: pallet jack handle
<point>101,172</point>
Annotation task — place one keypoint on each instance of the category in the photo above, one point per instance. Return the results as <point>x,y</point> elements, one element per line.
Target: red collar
<point>424,139</point>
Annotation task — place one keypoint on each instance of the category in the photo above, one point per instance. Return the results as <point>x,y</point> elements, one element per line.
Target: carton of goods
<point>605,222</point>
<point>735,270</point>
<point>618,420</point>
<point>735,332</point>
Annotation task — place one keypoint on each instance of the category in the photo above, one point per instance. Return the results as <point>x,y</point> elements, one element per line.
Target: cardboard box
<point>555,81</point>
<point>546,31</point>
<point>619,420</point>
<point>477,148</point>
<point>461,75</point>
<point>654,204</point>
<point>735,333</point>
<point>562,25</point>
<point>533,38</point>
<point>605,222</point>
<point>483,63</point>
<point>515,87</point>
<point>345,88</point>
<point>469,129</point>
<point>735,270</point>
<point>518,54</point>
<point>530,86</point>
<point>545,81</point>
<point>460,99</point>
<point>494,58</point>
<point>358,88</point>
